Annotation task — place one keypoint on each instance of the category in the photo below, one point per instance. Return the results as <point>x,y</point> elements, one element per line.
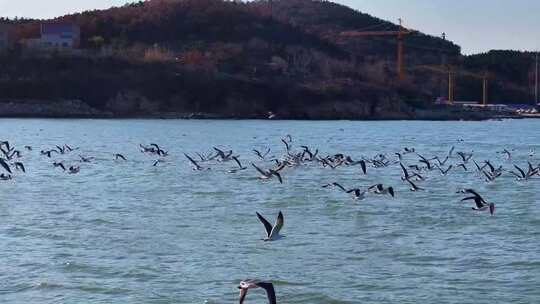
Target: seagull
<point>407,176</point>
<point>478,167</point>
<point>261,155</point>
<point>48,153</point>
<point>5,177</point>
<point>268,174</point>
<point>465,157</point>
<point>462,166</point>
<point>362,163</point>
<point>508,154</point>
<point>272,232</point>
<point>408,150</point>
<point>379,189</point>
<point>20,166</point>
<point>311,154</point>
<point>358,194</point>
<point>522,175</point>
<point>159,151</point>
<point>286,144</point>
<point>224,156</point>
<point>14,154</point>
<point>28,148</point>
<point>157,162</point>
<point>335,185</point>
<point>252,284</point>
<point>147,149</point>
<point>413,186</point>
<point>61,150</point>
<point>445,172</point>
<point>240,167</point>
<point>451,152</point>
<point>70,149</point>
<point>425,161</point>
<point>490,177</point>
<point>196,166</point>
<point>86,159</point>
<point>119,156</point>
<point>442,163</point>
<point>61,165</point>
<point>74,169</point>
<point>481,204</point>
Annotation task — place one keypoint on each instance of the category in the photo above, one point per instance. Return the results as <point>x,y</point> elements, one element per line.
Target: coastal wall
<point>56,109</point>
<point>134,106</point>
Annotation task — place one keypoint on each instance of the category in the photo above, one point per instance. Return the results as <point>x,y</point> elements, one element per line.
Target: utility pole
<point>271,9</point>
<point>444,62</point>
<point>536,81</point>
<point>485,89</point>
<point>450,85</point>
<point>400,71</point>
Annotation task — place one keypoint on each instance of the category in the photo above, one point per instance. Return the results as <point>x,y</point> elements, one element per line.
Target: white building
<point>60,35</point>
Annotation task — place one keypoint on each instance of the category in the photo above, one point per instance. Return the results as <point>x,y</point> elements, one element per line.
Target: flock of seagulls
<point>415,171</point>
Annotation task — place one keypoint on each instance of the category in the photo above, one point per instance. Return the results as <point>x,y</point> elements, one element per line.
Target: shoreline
<point>76,109</point>
<point>228,117</point>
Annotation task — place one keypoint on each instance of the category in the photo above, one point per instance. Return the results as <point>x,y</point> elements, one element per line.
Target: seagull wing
<point>258,153</point>
<point>412,184</point>
<point>279,224</point>
<point>286,144</point>
<point>267,225</point>
<point>278,176</point>
<point>520,171</point>
<point>237,161</point>
<point>20,166</point>
<point>243,293</point>
<point>220,152</point>
<point>405,172</point>
<point>270,292</point>
<point>340,187</point>
<point>192,161</point>
<point>259,169</point>
<point>5,165</point>
<point>363,165</point>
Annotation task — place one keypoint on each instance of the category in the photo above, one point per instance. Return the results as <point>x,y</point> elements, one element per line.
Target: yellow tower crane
<point>400,35</point>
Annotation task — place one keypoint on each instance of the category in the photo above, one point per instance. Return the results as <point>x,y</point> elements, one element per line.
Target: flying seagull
<point>252,284</point>
<point>268,174</point>
<point>196,166</point>
<point>119,156</point>
<point>20,166</point>
<point>481,204</point>
<point>272,232</point>
<point>240,167</point>
<point>380,189</point>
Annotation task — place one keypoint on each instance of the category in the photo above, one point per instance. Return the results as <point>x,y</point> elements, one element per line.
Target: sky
<point>476,25</point>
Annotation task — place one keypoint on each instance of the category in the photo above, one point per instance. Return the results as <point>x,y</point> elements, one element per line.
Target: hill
<point>229,59</point>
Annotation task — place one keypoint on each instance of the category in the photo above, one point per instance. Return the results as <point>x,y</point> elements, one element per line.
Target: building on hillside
<point>6,39</point>
<point>60,35</point>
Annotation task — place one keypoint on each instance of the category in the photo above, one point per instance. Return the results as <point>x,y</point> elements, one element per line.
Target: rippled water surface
<point>127,232</point>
